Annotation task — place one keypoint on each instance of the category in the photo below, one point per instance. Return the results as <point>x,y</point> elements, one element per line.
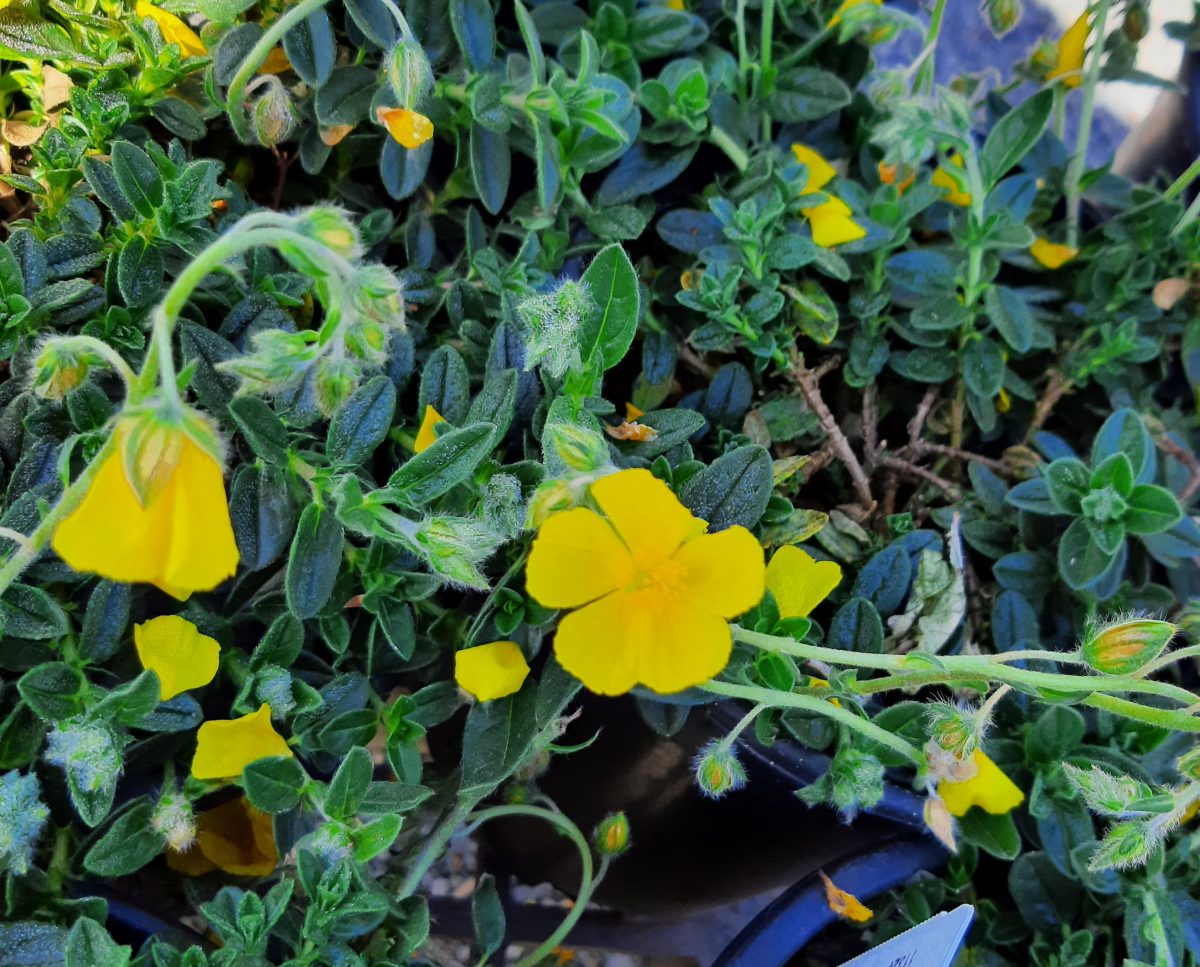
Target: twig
<point>924,446</point>
<point>917,423</point>
<point>806,381</point>
<point>1189,460</point>
<point>1056,389</point>
<point>693,361</point>
<point>951,490</point>
<point>870,419</point>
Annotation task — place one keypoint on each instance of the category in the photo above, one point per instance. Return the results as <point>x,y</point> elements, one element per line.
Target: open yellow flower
<point>832,223</point>
<point>820,171</point>
<point>845,905</point>
<point>943,179</point>
<point>654,592</point>
<point>846,5</point>
<point>798,583</point>
<point>175,650</point>
<point>411,128</point>
<point>180,538</point>
<point>234,837</point>
<point>1051,254</point>
<point>427,436</point>
<point>173,29</point>
<point>989,789</point>
<point>1071,49</point>
<point>224,747</point>
<point>491,671</point>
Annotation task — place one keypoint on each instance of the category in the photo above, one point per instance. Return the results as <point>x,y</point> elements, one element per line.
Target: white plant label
<point>933,943</point>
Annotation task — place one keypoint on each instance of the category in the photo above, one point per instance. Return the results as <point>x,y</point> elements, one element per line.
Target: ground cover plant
<point>387,384</point>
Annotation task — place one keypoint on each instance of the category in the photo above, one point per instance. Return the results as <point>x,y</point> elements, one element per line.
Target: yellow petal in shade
<point>491,671</point>
<point>798,583</point>
<point>845,905</point>
<point>1071,48</point>
<point>943,179</point>
<point>175,650</point>
<point>832,224</point>
<point>234,837</point>
<point>276,63</point>
<point>722,572</point>
<point>653,637</point>
<point>846,5</point>
<point>1051,254</point>
<point>173,29</point>
<point>410,128</point>
<point>633,413</point>
<point>225,747</point>
<point>989,789</point>
<point>820,171</point>
<point>1003,401</point>
<point>646,515</point>
<point>576,558</point>
<point>426,436</point>
<point>181,540</point>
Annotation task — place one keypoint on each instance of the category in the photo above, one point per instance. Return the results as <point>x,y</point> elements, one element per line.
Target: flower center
<point>662,577</point>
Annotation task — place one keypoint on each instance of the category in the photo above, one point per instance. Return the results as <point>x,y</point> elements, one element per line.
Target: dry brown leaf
<point>1169,291</point>
<point>331,136</point>
<point>56,87</point>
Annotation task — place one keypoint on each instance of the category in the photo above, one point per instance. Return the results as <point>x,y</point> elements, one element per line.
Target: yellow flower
<point>846,5</point>
<point>491,671</point>
<point>180,539</point>
<point>845,905</point>
<point>1051,254</point>
<point>676,5</point>
<point>174,30</point>
<point>1071,47</point>
<point>224,747</point>
<point>410,128</point>
<point>175,650</point>
<point>942,179</point>
<point>654,592</point>
<point>276,63</point>
<point>798,583</point>
<point>426,436</point>
<point>832,223</point>
<point>820,171</point>
<point>687,280</point>
<point>989,789</point>
<point>1003,401</point>
<point>234,837</point>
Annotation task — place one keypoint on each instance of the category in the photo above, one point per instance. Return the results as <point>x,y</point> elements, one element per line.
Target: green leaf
<point>856,626</point>
<point>139,178</point>
<point>1116,472</point>
<point>1045,897</point>
<point>314,561</point>
<point>371,839</point>
<point>496,403</point>
<point>983,367</point>
<point>496,739</point>
<point>548,155</point>
<point>89,945</point>
<point>128,844</point>
<point>1067,483</point>
<point>1080,559</point>
<point>734,489</point>
<point>806,94</point>
<point>362,423</point>
<point>139,272</point>
<point>392,797</point>
<point>1014,134</point>
<point>105,621</point>
<point>487,916</point>
<point>491,166</point>
<point>29,612</point>
<point>348,785</point>
<point>52,689</point>
<point>274,784</point>
<point>451,459</point>
<point>263,430</point>
<point>312,48</point>
<point>1010,315</point>
<point>1152,510</point>
<point>445,385</point>
<point>993,834</point>
<point>1054,734</point>
<point>474,28</point>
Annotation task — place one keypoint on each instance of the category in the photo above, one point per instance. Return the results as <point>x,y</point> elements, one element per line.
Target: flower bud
<point>88,752</point>
<point>611,835</point>
<point>59,368</point>
<point>408,72</point>
<point>939,822</point>
<point>274,115</point>
<point>577,447</point>
<point>953,730</point>
<point>331,227</point>
<point>454,547</point>
<point>1123,647</point>
<point>718,770</point>
<point>1189,763</point>
<point>1136,21</point>
<point>335,382</point>
<point>1002,15</point>
<point>22,817</point>
<point>174,820</point>
<point>550,497</point>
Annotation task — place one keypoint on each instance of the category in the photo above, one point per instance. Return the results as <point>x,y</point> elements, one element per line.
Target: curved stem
<point>254,60</point>
<point>819,706</point>
<point>114,359</point>
<point>1078,162</point>
<point>586,881</point>
<point>1180,721</point>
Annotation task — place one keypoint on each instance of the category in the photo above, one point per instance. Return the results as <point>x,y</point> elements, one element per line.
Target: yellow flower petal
<point>723,572</point>
<point>182,540</point>
<point>832,224</point>
<point>989,789</point>
<point>633,413</point>
<point>890,175</point>
<point>426,437</point>
<point>942,179</point>
<point>846,5</point>
<point>798,583</point>
<point>410,128</point>
<point>276,63</point>
<point>658,639</point>
<point>174,30</point>
<point>491,671</point>
<point>845,905</point>
<point>820,171</point>
<point>225,747</point>
<point>646,515</point>
<point>576,558</point>
<point>234,837</point>
<point>1003,401</point>
<point>1051,254</point>
<point>175,650</point>
<point>1071,49</point>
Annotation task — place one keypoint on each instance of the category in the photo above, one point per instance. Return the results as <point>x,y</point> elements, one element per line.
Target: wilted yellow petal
<point>989,789</point>
<point>234,837</point>
<point>426,436</point>
<point>276,62</point>
<point>175,650</point>
<point>1051,254</point>
<point>409,128</point>
<point>845,905</point>
<point>798,583</point>
<point>491,671</point>
<point>224,747</point>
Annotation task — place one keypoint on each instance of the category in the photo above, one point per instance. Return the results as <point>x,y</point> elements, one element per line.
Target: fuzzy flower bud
<point>89,753</point>
<point>718,770</point>
<point>611,835</point>
<point>174,820</point>
<point>1002,15</point>
<point>553,322</point>
<point>334,381</point>
<point>22,817</point>
<point>1189,763</point>
<point>331,227</point>
<point>59,368</point>
<point>454,547</point>
<point>1122,647</point>
<point>576,447</point>
<point>953,729</point>
<point>273,114</point>
<point>550,497</point>
<point>408,72</point>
